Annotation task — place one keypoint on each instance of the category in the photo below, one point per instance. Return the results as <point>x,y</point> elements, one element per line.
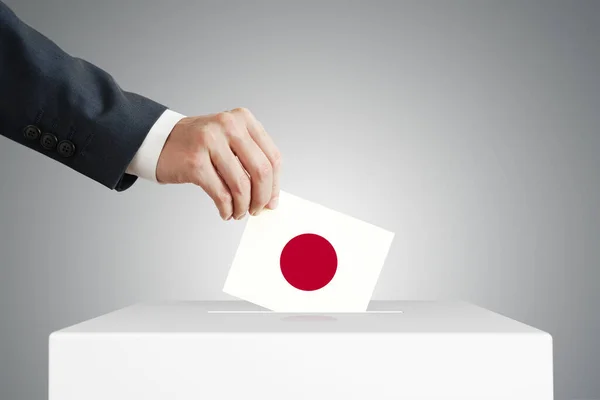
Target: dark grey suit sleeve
<point>68,109</point>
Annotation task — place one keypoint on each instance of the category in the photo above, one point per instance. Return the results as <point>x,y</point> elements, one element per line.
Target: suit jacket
<point>68,109</point>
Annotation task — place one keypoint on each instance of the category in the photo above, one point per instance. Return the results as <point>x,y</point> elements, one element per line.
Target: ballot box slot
<point>302,313</point>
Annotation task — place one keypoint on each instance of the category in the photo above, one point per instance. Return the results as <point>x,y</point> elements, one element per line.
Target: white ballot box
<point>234,350</point>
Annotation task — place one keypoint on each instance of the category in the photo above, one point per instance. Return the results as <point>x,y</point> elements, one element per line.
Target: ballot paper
<point>305,257</point>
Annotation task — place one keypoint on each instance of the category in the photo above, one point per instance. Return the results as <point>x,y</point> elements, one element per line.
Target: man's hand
<point>230,156</point>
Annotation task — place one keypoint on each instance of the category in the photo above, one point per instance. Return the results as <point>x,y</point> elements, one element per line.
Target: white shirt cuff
<point>145,161</point>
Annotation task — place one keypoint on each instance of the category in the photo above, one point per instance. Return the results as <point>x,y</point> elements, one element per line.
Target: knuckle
<point>264,170</point>
<point>243,111</point>
<point>224,198</point>
<point>241,188</point>
<point>277,159</point>
<point>226,120</point>
<point>229,126</point>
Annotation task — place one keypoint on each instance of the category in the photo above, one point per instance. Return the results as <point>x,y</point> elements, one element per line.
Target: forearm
<point>73,102</point>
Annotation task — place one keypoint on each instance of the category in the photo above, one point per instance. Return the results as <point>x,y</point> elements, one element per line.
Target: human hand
<point>230,156</point>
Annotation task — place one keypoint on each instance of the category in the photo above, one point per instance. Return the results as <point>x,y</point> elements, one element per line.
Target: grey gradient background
<point>469,128</point>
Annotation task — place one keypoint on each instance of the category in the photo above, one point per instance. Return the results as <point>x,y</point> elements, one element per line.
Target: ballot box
<point>230,350</point>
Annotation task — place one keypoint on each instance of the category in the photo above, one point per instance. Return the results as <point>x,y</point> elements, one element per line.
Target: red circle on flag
<point>308,262</point>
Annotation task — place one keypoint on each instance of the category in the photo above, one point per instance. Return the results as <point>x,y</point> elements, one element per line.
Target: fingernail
<point>241,216</point>
<point>228,218</point>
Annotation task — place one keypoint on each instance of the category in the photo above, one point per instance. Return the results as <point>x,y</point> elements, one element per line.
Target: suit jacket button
<point>31,132</point>
<point>66,148</point>
<point>48,141</point>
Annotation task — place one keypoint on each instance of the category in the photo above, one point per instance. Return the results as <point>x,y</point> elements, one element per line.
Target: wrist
<point>145,162</point>
<point>175,152</point>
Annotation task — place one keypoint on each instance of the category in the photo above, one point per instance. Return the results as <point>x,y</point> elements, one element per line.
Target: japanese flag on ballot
<point>304,257</point>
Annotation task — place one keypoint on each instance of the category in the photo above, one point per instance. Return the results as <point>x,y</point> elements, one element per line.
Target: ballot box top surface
<point>242,317</point>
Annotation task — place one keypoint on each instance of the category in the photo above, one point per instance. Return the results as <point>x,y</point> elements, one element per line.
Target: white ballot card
<point>304,257</point>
